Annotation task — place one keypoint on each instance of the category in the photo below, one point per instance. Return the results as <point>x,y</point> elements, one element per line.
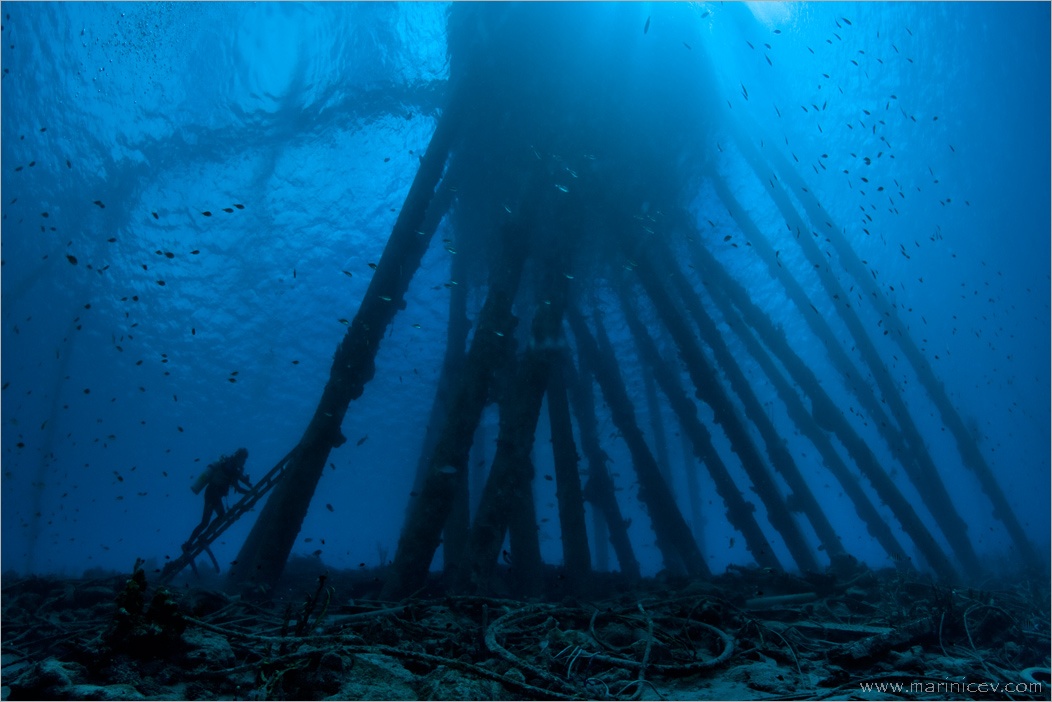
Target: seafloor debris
<point>747,634</point>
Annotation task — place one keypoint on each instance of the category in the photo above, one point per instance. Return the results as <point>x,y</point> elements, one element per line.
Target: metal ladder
<point>216,528</point>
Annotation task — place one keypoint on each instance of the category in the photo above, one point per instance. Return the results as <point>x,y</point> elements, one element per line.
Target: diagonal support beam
<point>740,513</point>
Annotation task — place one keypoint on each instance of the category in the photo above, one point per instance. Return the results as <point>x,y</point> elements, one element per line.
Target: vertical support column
<point>490,348</point>
<point>690,470</point>
<point>576,556</point>
<point>599,490</point>
<point>657,426</point>
<point>681,555</point>
<point>509,489</point>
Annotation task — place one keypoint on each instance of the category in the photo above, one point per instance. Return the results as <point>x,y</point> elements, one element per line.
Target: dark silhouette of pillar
<point>867,399</point>
<point>832,418</point>
<point>679,552</point>
<point>507,499</point>
<point>577,560</point>
<point>490,348</point>
<point>690,470</point>
<point>740,513</point>
<point>599,489</point>
<point>921,468</point>
<point>709,390</point>
<point>801,496</point>
<point>263,555</point>
<point>966,443</point>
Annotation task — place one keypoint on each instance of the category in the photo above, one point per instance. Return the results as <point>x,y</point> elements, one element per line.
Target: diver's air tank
<point>202,480</point>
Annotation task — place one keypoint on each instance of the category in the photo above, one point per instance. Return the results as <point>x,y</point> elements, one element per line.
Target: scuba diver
<point>228,472</point>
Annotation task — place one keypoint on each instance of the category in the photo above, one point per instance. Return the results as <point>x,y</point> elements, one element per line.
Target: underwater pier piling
<point>266,549</point>
<point>507,499</point>
<point>739,512</point>
<point>530,202</point>
<point>680,553</point>
<point>800,496</point>
<point>608,521</point>
<point>724,285</point>
<point>809,428</point>
<point>709,390</point>
<point>491,347</point>
<point>966,442</point>
<point>577,558</point>
<point>918,462</point>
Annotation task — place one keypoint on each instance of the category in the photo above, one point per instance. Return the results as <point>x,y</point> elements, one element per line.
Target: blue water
<point>142,339</point>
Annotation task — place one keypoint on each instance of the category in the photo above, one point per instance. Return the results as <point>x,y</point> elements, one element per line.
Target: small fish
<point>155,215</point>
<point>562,188</point>
<point>745,92</point>
<point>193,331</point>
<point>71,259</point>
<point>228,209</point>
<point>206,213</point>
<point>373,266</point>
<point>99,203</point>
<point>68,164</point>
<point>161,283</point>
<point>169,254</point>
<point>362,440</point>
<point>416,326</point>
<point>195,252</point>
<point>329,507</point>
<point>348,274</point>
<point>112,239</point>
<point>646,27</point>
<point>688,46</point>
<point>240,207</point>
<point>343,321</point>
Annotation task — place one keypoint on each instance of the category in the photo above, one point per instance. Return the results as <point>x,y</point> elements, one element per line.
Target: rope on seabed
<point>518,615</point>
<point>492,645</point>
